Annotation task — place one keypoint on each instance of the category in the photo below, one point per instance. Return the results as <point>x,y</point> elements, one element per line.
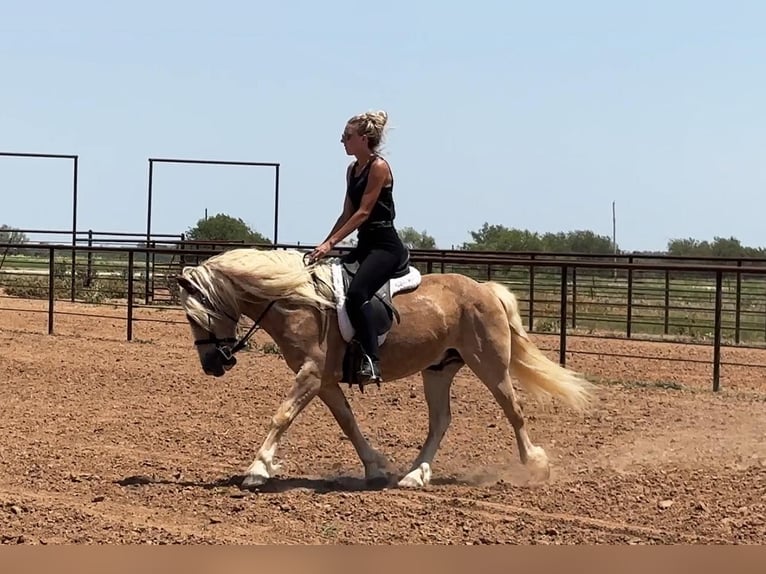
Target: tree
<point>9,235</point>
<point>500,238</point>
<point>688,246</point>
<point>416,239</point>
<point>730,247</point>
<point>222,227</point>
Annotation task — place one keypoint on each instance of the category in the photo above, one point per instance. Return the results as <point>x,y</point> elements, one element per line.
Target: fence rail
<point>703,303</point>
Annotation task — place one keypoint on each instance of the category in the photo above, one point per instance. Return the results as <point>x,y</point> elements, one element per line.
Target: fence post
<point>563,317</point>
<point>574,297</point>
<point>51,287</point>
<point>531,292</point>
<point>629,318</point>
<point>738,310</point>
<point>89,273</point>
<point>130,295</point>
<point>667,301</point>
<point>717,331</point>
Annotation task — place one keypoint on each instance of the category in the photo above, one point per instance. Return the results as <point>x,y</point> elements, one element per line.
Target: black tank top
<point>378,230</point>
<point>384,211</point>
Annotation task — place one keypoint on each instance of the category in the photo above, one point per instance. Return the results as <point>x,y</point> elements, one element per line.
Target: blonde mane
<point>266,274</point>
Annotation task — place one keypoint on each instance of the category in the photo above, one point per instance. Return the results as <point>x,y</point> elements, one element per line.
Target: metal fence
<point>703,304</point>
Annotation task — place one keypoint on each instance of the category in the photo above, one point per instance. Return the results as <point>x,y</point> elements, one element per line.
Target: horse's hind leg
<point>437,386</point>
<point>492,368</point>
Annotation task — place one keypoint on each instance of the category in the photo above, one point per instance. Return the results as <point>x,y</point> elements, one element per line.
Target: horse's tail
<point>536,372</point>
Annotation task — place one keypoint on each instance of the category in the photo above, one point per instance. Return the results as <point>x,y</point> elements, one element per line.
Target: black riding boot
<point>369,369</point>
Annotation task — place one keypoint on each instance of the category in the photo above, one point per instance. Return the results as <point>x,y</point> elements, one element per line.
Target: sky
<point>534,115</point>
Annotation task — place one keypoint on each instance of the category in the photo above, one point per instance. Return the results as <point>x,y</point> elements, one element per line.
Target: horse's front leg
<point>376,465</point>
<point>305,388</point>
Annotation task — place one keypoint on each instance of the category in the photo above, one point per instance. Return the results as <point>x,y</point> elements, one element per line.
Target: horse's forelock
<point>217,291</point>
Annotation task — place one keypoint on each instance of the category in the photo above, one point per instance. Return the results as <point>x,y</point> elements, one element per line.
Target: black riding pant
<point>377,267</point>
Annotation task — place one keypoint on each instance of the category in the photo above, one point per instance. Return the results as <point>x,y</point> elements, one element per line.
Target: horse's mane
<point>266,274</point>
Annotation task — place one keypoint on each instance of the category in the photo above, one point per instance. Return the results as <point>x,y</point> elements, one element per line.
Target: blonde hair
<point>372,125</point>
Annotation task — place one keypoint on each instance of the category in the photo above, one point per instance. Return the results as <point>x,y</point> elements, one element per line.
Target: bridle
<point>226,347</point>
<point>227,352</point>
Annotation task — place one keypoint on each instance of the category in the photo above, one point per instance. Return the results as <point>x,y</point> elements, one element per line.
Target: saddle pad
<point>398,284</point>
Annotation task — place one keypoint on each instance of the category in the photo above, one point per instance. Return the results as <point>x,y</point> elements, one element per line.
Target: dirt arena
<point>109,441</point>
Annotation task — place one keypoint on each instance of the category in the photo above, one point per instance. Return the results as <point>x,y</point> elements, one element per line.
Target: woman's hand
<point>321,250</point>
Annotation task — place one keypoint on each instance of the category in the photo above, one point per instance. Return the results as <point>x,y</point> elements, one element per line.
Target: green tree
<point>689,246</point>
<point>730,247</point>
<point>416,239</point>
<point>9,235</point>
<point>583,241</point>
<point>727,247</point>
<point>500,238</point>
<point>222,227</point>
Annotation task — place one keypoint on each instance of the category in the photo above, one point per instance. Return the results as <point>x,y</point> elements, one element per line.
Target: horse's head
<point>213,323</point>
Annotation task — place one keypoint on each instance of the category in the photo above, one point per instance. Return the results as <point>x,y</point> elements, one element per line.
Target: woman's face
<point>352,141</point>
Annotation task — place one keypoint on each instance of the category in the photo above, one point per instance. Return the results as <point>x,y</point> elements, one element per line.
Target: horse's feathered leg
<point>305,388</point>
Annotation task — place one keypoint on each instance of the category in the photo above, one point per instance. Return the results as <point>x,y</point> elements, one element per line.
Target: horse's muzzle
<point>217,361</point>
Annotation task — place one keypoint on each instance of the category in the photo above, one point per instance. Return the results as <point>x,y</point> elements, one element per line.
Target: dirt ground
<point>109,441</point>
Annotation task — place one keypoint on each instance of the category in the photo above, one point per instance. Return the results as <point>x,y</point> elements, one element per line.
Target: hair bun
<point>371,124</point>
<point>380,117</point>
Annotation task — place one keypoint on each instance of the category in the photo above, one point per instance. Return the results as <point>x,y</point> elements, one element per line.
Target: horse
<point>443,322</point>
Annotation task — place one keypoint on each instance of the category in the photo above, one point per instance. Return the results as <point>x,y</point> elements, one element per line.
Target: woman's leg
<point>372,274</point>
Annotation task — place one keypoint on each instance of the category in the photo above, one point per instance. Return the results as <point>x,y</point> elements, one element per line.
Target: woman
<point>369,209</point>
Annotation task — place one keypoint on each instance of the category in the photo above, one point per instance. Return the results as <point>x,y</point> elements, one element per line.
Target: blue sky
<point>531,115</point>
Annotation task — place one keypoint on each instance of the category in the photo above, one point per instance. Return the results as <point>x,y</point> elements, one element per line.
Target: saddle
<point>405,278</point>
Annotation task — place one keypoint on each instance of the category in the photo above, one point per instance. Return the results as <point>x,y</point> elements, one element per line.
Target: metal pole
<point>276,203</point>
<point>130,295</point>
<point>717,331</point>
<point>738,310</point>
<point>629,317</point>
<point>51,288</point>
<point>74,224</point>
<point>148,230</point>
<point>563,318</point>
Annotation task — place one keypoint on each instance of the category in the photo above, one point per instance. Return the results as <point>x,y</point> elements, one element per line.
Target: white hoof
<point>259,473</point>
<point>253,481</point>
<point>418,478</point>
<point>538,465</point>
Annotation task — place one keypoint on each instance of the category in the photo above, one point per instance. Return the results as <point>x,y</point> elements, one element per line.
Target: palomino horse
<point>446,321</point>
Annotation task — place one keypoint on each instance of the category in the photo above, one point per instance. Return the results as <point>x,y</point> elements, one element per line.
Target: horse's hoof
<point>253,481</point>
<point>377,482</point>
<point>538,465</point>
<point>418,478</point>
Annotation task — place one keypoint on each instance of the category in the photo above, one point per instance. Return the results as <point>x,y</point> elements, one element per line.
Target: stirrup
<point>369,371</point>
